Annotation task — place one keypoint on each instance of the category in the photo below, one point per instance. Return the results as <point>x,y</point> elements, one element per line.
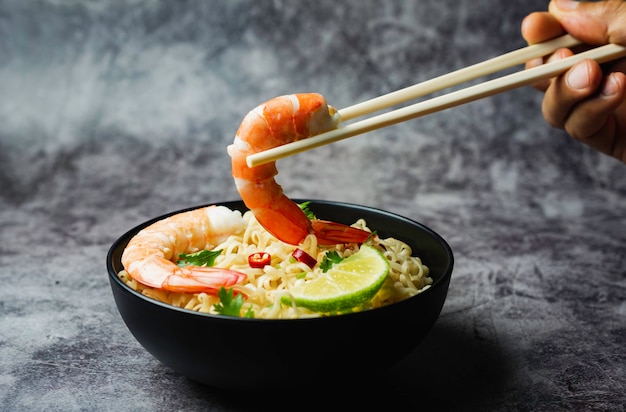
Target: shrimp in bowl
<point>151,255</point>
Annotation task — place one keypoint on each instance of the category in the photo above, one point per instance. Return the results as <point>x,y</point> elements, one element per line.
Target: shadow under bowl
<point>240,353</point>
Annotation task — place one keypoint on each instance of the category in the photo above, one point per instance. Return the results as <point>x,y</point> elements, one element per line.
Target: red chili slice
<point>301,256</point>
<point>259,259</point>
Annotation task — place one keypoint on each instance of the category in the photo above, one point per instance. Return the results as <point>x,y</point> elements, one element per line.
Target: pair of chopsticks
<point>601,54</point>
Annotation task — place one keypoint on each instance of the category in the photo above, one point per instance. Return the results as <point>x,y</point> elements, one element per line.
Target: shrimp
<point>278,121</point>
<point>150,256</point>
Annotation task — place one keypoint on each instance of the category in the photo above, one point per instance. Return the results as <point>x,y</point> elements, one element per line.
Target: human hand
<point>588,101</point>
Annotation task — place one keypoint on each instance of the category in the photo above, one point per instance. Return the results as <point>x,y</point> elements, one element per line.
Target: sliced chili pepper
<point>301,256</point>
<point>259,259</point>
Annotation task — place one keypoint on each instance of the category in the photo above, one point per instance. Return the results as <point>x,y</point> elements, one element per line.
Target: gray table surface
<point>115,112</point>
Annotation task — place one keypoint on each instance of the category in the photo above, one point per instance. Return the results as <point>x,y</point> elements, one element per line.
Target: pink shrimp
<point>150,256</point>
<point>276,122</point>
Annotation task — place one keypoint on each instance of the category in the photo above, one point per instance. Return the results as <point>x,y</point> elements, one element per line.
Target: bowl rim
<point>437,283</point>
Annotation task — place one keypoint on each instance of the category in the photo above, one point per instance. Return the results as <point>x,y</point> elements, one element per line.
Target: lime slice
<point>349,283</point>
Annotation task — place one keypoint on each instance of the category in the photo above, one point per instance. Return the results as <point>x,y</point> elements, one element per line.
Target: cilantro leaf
<point>249,314</point>
<point>372,235</point>
<point>201,258</point>
<point>229,304</point>
<point>305,208</point>
<point>329,259</point>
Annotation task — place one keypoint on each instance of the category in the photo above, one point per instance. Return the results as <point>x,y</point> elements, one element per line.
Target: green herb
<point>230,305</point>
<point>371,236</point>
<point>301,275</point>
<point>329,259</point>
<point>201,258</point>
<point>305,208</point>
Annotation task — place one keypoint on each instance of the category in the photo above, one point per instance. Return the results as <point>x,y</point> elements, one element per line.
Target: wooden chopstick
<point>525,77</point>
<point>454,78</point>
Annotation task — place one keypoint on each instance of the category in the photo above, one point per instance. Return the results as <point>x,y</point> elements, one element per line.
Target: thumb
<point>592,22</point>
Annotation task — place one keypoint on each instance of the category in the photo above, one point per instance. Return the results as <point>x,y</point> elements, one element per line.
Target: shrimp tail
<point>288,223</point>
<point>332,233</point>
<point>194,279</point>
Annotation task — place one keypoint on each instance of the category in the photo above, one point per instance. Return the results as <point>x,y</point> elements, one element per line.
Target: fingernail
<point>578,78</point>
<point>610,87</point>
<point>566,4</point>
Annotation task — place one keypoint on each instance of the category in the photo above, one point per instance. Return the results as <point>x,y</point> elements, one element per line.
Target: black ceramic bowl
<point>236,353</point>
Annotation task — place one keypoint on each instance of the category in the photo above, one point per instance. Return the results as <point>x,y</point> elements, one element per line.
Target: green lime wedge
<point>348,284</point>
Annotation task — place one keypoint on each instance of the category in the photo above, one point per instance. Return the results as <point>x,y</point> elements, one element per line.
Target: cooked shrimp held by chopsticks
<point>276,122</point>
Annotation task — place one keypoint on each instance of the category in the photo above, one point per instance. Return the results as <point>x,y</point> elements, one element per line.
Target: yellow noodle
<point>264,287</point>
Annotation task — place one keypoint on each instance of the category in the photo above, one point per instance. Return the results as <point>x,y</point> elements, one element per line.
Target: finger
<point>569,89</point>
<point>592,22</point>
<point>594,121</point>
<point>540,26</point>
<point>557,55</point>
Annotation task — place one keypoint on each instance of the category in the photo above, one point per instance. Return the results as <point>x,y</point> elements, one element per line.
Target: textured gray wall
<point>115,112</point>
